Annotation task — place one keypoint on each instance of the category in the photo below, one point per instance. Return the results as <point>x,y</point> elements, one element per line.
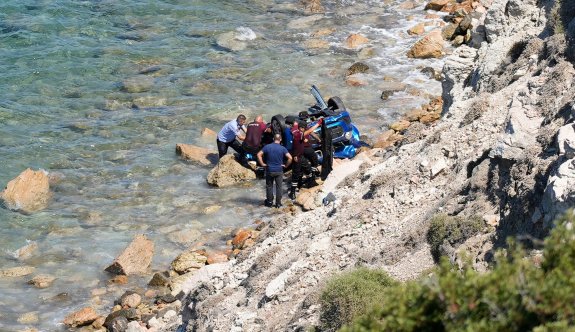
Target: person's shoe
<point>292,195</point>
<point>268,203</point>
<point>278,206</point>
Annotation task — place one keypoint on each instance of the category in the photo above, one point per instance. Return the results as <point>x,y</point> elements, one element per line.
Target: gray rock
<point>160,279</point>
<point>457,68</point>
<point>118,324</point>
<point>566,141</point>
<point>118,320</point>
<point>135,327</point>
<point>130,300</point>
<point>560,192</point>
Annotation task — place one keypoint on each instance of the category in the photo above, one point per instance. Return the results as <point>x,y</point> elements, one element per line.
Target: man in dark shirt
<point>274,154</point>
<point>255,130</point>
<point>299,132</point>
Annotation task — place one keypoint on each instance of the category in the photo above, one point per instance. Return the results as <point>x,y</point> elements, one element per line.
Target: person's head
<point>259,119</point>
<point>302,125</point>
<point>277,138</point>
<point>241,119</point>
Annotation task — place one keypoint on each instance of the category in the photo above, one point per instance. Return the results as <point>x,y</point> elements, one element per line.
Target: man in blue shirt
<point>274,154</point>
<point>227,136</point>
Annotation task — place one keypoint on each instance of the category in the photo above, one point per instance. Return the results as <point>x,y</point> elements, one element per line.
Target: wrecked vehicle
<point>340,138</point>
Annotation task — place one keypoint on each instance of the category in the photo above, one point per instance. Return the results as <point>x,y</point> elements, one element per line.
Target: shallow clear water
<point>63,109</point>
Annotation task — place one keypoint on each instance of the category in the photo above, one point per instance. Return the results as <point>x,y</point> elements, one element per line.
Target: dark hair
<point>241,117</point>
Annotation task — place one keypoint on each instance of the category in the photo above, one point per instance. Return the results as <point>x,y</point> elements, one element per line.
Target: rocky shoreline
<point>495,154</point>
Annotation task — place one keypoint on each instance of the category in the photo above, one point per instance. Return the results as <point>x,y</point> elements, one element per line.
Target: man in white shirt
<point>231,135</point>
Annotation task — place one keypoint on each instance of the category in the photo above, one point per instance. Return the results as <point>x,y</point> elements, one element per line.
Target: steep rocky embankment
<point>494,154</point>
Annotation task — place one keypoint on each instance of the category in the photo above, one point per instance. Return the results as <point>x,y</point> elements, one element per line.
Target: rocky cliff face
<point>494,154</point>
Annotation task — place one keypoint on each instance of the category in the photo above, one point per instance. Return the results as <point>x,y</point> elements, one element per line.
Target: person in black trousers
<point>274,155</point>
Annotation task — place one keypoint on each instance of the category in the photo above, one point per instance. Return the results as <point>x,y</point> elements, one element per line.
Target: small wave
<point>245,34</point>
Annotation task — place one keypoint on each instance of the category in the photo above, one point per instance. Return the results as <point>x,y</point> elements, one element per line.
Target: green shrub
<point>516,295</point>
<point>451,230</point>
<point>350,294</point>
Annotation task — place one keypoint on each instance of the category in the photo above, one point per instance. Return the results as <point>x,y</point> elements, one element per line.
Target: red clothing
<point>306,141</point>
<point>254,134</point>
<point>298,142</point>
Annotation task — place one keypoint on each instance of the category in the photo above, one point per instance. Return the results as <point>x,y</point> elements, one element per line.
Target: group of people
<point>274,157</point>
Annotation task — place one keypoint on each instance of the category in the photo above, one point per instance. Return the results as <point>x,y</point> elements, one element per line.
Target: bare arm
<point>241,136</point>
<point>289,158</point>
<point>260,158</point>
<point>311,129</point>
<point>315,136</point>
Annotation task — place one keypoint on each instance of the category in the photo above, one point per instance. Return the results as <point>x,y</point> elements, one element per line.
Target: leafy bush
<point>517,295</point>
<point>350,294</point>
<point>451,230</point>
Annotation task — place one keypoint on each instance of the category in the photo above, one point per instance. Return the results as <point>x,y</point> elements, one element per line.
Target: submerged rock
<point>186,236</point>
<point>138,84</point>
<point>18,271</point>
<point>316,43</point>
<point>28,192</point>
<point>355,40</point>
<point>26,251</point>
<point>42,281</point>
<point>358,67</point>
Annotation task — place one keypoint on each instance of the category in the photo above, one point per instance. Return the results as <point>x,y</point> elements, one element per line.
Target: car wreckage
<point>339,137</point>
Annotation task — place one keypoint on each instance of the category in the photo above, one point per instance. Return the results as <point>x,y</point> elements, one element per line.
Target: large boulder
<point>28,192</point>
<point>229,172</point>
<point>306,198</point>
<point>559,194</point>
<point>566,140</point>
<point>135,259</point>
<point>197,154</point>
<point>430,46</point>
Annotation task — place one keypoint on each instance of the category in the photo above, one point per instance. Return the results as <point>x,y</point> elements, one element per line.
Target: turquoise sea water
<point>63,109</point>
